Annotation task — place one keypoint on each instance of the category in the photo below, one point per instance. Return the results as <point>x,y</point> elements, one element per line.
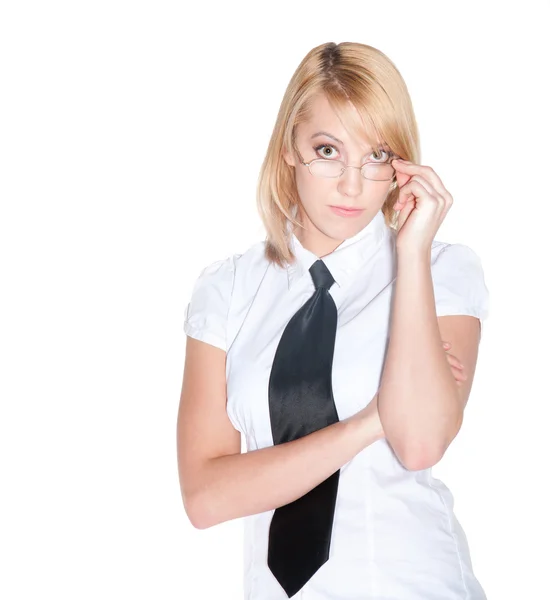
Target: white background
<point>131,137</point>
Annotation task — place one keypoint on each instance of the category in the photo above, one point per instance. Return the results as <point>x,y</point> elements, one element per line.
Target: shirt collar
<point>346,259</point>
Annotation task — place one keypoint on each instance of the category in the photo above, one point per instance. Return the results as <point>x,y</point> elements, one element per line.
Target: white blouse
<point>395,535</point>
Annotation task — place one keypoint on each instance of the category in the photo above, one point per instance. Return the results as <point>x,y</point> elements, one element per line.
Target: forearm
<point>418,402</point>
<point>239,485</point>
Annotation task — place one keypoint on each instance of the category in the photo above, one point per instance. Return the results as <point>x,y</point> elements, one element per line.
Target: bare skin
<point>217,482</point>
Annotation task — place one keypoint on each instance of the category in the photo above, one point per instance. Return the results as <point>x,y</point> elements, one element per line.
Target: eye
<point>323,154</point>
<point>380,152</point>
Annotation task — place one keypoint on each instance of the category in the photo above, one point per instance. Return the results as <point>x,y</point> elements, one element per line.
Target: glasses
<point>322,167</point>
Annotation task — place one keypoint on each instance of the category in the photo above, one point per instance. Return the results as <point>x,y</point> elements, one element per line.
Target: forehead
<point>321,110</point>
<point>323,118</point>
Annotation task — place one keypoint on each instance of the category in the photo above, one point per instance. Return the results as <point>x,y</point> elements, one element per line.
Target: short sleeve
<point>459,283</point>
<point>207,311</point>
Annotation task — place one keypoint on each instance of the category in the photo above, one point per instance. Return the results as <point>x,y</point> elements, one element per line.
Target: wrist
<point>415,254</point>
<point>409,259</point>
<point>368,422</point>
<point>375,427</point>
<point>364,429</point>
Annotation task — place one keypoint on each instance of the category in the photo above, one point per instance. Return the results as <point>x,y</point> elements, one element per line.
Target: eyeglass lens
<point>334,168</point>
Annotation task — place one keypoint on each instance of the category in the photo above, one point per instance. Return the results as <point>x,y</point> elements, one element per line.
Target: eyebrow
<point>320,133</point>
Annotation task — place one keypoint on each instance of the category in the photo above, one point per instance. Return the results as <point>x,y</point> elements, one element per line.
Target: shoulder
<point>221,273</point>
<point>459,280</point>
<point>446,253</point>
<point>454,262</point>
<point>213,290</point>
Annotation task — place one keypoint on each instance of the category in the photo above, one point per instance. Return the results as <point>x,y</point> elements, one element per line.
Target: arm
<point>420,405</point>
<point>245,484</point>
<point>218,482</point>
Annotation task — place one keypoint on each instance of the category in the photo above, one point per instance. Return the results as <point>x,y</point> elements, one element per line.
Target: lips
<point>346,212</point>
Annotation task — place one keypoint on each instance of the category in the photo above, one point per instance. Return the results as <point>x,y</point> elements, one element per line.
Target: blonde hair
<point>345,73</point>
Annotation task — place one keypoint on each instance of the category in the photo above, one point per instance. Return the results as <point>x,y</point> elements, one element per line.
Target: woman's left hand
<point>423,203</point>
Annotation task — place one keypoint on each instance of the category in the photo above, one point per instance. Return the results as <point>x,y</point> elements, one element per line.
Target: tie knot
<point>321,275</point>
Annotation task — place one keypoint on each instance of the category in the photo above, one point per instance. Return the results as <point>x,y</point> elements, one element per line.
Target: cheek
<point>377,189</point>
<point>313,190</point>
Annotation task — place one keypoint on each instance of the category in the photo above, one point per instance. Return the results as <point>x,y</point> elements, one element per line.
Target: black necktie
<point>301,402</point>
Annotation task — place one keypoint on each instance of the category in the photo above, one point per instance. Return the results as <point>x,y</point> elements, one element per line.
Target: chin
<point>342,231</point>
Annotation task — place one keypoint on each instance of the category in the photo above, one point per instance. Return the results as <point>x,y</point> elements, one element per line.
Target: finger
<point>402,202</point>
<point>411,193</point>
<point>458,374</point>
<point>453,360</point>
<point>404,213</point>
<point>424,170</point>
<point>420,186</point>
<point>403,197</point>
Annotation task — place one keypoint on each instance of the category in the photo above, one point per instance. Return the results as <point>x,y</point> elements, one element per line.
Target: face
<point>325,229</point>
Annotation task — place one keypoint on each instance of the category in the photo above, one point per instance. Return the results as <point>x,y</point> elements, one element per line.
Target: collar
<point>343,262</point>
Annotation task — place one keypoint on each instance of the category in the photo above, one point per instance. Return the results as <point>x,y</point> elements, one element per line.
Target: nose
<point>351,181</point>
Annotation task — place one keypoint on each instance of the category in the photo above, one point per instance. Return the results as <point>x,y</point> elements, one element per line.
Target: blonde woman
<point>343,348</point>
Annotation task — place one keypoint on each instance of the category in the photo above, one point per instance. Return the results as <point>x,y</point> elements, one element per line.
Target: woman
<point>324,347</point>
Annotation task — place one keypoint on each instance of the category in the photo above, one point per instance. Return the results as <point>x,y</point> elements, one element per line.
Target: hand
<point>423,203</point>
<point>456,368</point>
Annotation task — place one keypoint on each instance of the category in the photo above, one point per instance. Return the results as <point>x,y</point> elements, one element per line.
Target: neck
<point>313,240</point>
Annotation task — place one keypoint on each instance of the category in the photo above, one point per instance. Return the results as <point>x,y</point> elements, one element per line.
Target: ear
<point>289,157</point>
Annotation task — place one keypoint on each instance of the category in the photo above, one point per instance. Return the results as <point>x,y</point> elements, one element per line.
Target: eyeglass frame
<point>394,156</point>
